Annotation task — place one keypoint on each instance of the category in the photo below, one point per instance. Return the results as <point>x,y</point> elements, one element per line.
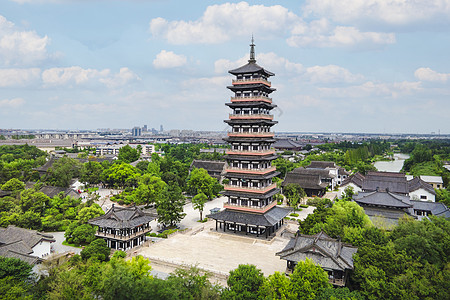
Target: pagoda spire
<point>252,52</point>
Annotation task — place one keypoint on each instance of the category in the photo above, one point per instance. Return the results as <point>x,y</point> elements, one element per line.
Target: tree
<point>97,249</point>
<point>244,283</point>
<point>90,212</point>
<point>149,189</point>
<point>80,234</point>
<point>14,268</point>
<point>91,172</point>
<point>277,286</point>
<point>13,185</point>
<point>170,206</point>
<point>120,175</point>
<point>199,181</point>
<point>307,279</point>
<point>294,193</point>
<point>192,284</point>
<point>62,171</point>
<point>128,154</point>
<point>198,202</point>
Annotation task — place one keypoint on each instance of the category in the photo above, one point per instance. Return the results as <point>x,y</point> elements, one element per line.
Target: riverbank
<point>392,166</point>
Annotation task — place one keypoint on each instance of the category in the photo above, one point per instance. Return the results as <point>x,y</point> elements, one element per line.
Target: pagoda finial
<point>252,52</point>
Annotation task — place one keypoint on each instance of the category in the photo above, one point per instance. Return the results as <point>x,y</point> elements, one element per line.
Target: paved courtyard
<point>214,251</point>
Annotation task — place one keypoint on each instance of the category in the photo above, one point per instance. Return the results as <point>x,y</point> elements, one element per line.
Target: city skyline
<point>340,66</point>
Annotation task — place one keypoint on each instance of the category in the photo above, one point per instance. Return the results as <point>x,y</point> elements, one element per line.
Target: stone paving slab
<point>217,252</point>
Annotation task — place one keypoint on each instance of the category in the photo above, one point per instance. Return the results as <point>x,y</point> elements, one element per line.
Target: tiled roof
<point>208,165</point>
<point>29,237</point>
<point>325,251</point>
<point>321,165</point>
<point>46,166</point>
<point>307,178</point>
<point>249,68</point>
<point>436,208</point>
<point>417,183</point>
<point>286,144</point>
<point>122,217</point>
<point>356,179</point>
<point>269,218</point>
<point>388,181</point>
<point>251,195</point>
<point>384,199</point>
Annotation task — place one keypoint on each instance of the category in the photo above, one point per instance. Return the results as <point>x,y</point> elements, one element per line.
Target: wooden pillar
<point>224,226</point>
<point>246,229</point>
<point>257,231</point>
<point>234,227</point>
<point>267,229</point>
<point>216,225</point>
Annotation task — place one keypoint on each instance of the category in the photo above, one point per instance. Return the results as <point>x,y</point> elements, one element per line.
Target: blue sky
<point>341,66</point>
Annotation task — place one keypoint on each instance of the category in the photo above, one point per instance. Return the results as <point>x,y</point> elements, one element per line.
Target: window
<point>423,197</point>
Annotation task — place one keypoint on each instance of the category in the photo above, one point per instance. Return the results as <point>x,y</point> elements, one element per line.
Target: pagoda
<point>251,207</point>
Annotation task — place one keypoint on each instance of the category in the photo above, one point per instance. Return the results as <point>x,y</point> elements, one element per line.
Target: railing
<point>249,208</point>
<point>250,152</point>
<point>251,171</point>
<point>253,116</point>
<point>259,190</point>
<point>123,237</point>
<point>252,80</point>
<point>340,282</point>
<point>252,134</point>
<point>251,98</point>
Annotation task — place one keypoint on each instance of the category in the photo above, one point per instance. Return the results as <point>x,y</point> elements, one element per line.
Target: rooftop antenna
<point>252,52</point>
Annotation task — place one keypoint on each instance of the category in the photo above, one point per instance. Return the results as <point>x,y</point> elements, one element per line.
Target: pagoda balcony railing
<point>251,80</point>
<point>249,207</point>
<point>250,152</point>
<point>121,236</point>
<point>251,134</point>
<point>251,171</point>
<point>259,190</point>
<point>253,116</point>
<point>251,98</point>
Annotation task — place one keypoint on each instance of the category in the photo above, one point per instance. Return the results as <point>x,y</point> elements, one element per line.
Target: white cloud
<point>321,33</point>
<point>220,23</point>
<point>76,75</point>
<point>275,63</point>
<point>21,47</point>
<point>168,59</point>
<point>18,77</point>
<point>369,89</point>
<point>331,73</point>
<point>427,74</point>
<point>11,103</point>
<point>391,12</point>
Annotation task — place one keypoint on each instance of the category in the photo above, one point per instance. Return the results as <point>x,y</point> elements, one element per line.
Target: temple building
<point>123,227</point>
<point>251,207</point>
<point>335,257</point>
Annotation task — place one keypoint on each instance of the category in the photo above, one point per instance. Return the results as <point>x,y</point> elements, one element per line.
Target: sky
<point>372,66</point>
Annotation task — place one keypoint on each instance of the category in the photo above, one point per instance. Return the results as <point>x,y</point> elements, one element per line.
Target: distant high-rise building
<point>144,129</point>
<point>136,131</point>
<point>161,128</point>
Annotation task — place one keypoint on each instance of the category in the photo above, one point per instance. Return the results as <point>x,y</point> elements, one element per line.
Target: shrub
<point>294,215</point>
<point>304,205</point>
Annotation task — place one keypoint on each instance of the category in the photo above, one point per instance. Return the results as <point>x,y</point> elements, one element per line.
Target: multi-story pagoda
<point>251,207</point>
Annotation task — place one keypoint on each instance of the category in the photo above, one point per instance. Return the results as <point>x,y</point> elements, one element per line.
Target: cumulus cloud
<point>21,47</point>
<point>427,74</point>
<point>321,33</point>
<point>11,103</point>
<point>370,88</point>
<point>392,12</point>
<point>275,63</point>
<point>168,59</point>
<point>220,23</point>
<point>18,77</point>
<point>76,75</point>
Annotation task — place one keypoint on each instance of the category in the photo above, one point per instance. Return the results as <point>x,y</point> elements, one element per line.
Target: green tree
<point>91,172</point>
<point>149,189</point>
<point>277,287</point>
<point>80,234</point>
<point>198,202</point>
<point>120,175</point>
<point>97,249</point>
<point>244,283</point>
<point>295,194</point>
<point>13,185</point>
<point>62,171</point>
<point>90,212</point>
<point>170,206</point>
<point>307,279</point>
<point>128,154</point>
<point>14,268</point>
<point>199,181</point>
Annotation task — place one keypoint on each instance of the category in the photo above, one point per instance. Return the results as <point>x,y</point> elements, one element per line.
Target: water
<point>392,166</point>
